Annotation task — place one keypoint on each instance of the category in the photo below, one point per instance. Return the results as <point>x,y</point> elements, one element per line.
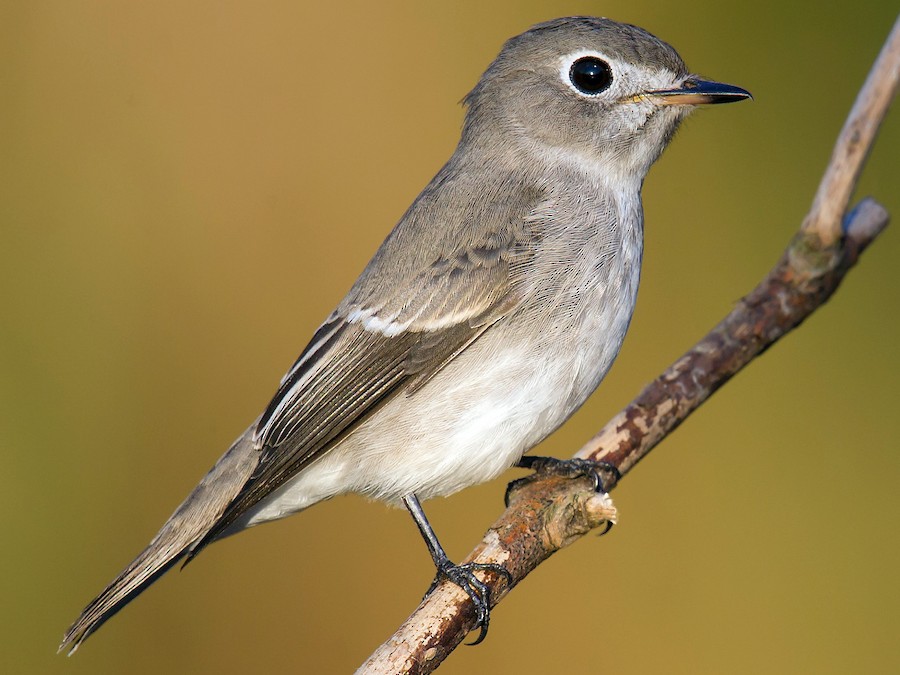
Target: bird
<point>485,319</point>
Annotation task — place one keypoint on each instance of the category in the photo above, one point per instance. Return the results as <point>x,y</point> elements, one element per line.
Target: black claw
<point>609,526</point>
<point>511,487</point>
<point>461,575</point>
<point>570,468</point>
<point>479,593</point>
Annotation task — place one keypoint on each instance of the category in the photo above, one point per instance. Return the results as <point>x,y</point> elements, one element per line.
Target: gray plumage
<point>485,319</point>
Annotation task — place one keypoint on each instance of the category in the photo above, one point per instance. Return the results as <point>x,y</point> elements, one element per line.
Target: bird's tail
<point>190,522</point>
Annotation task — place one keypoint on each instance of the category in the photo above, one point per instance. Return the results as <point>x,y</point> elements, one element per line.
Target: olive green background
<point>187,189</point>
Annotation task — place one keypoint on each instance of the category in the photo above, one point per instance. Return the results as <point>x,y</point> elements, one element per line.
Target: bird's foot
<point>463,575</point>
<point>604,475</point>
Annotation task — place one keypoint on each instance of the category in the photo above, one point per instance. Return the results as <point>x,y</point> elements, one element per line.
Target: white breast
<point>502,396</point>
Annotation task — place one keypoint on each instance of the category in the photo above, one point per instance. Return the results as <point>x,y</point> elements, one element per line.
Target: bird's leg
<point>462,575</point>
<point>569,468</point>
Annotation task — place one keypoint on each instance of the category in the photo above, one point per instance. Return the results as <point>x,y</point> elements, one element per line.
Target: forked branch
<point>549,514</point>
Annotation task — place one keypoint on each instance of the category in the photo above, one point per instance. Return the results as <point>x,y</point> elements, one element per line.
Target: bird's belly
<point>471,422</point>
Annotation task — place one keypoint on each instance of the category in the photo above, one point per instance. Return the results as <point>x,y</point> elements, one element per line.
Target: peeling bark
<point>548,514</point>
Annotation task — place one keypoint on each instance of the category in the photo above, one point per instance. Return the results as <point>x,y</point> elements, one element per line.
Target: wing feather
<point>385,339</point>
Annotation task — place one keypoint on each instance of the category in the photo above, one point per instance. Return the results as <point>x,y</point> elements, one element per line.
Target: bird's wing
<point>383,339</point>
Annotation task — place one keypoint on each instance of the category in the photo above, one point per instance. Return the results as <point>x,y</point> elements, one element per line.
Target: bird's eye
<point>591,75</point>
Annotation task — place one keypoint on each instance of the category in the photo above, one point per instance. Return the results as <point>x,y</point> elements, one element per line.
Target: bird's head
<point>588,90</point>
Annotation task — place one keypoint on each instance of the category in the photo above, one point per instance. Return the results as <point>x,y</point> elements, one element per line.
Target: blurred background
<point>188,188</point>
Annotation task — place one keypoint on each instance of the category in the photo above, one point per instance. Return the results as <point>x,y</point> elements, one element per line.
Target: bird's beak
<point>695,91</point>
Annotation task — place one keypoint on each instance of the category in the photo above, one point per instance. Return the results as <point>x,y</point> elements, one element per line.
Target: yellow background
<point>187,189</point>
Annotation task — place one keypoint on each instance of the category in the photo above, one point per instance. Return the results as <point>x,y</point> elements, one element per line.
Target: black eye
<point>591,75</point>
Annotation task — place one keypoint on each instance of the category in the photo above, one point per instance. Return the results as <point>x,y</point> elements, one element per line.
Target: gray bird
<point>486,318</point>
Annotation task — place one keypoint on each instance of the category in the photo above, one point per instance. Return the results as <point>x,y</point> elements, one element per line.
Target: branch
<point>854,142</point>
<point>549,514</point>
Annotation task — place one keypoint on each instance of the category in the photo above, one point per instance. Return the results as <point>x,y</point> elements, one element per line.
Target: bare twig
<point>777,305</point>
<point>853,144</point>
<point>549,514</point>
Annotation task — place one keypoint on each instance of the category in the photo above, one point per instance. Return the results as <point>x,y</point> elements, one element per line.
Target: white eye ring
<point>589,74</point>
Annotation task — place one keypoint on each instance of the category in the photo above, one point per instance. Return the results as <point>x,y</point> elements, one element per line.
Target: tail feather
<point>188,525</point>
